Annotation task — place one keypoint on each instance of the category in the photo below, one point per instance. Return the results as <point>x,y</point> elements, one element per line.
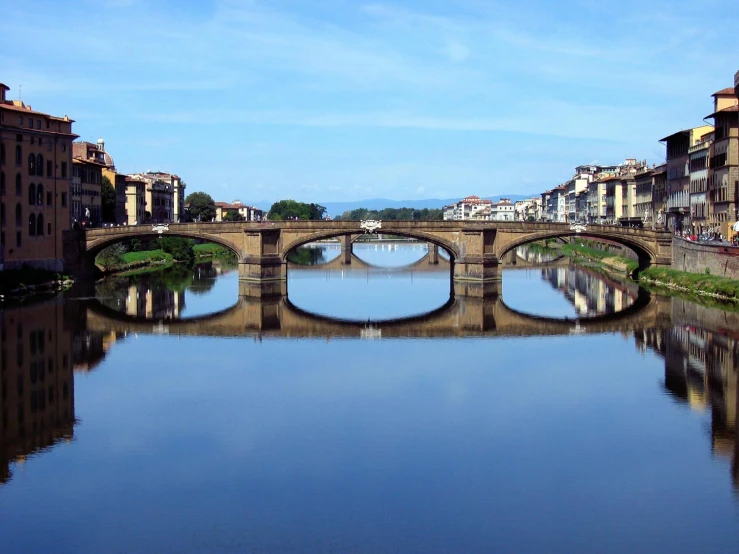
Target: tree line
<point>391,214</point>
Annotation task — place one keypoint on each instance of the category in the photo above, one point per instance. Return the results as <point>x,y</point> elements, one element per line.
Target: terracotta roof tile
<point>724,91</point>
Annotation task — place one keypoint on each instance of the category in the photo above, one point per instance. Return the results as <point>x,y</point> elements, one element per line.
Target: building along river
<point>369,411</point>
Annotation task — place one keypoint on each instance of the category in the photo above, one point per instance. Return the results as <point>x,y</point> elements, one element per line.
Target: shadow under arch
<point>645,255</point>
<point>349,232</point>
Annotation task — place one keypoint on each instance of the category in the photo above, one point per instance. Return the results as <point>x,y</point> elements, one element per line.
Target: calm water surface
<point>167,415</point>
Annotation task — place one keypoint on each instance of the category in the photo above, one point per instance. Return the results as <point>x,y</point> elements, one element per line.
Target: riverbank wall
<point>698,257</point>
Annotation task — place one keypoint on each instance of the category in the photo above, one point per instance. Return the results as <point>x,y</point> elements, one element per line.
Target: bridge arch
<point>147,233</point>
<point>644,253</point>
<point>425,237</point>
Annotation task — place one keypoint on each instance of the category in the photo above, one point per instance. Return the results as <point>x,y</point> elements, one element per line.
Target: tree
<point>290,209</point>
<point>233,215</point>
<point>107,199</point>
<point>111,257</point>
<point>181,249</point>
<point>202,207</point>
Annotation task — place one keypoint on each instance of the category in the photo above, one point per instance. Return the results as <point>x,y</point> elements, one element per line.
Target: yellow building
<point>35,181</point>
<point>96,153</point>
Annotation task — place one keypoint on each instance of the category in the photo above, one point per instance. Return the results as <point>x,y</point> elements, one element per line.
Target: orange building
<point>35,180</point>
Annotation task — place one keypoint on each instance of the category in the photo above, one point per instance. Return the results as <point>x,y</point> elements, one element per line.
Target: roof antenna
<point>20,89</point>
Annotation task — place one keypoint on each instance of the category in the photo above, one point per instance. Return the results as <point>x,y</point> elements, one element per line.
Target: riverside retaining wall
<point>695,257</point>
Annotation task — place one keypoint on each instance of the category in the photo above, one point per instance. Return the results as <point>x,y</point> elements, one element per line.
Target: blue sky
<point>329,100</point>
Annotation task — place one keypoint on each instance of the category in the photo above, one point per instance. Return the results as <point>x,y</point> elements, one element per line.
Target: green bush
<point>180,249</point>
<point>111,257</point>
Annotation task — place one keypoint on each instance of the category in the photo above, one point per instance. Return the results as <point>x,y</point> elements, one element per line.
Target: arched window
<point>18,215</point>
<point>2,153</point>
<point>31,194</point>
<point>31,225</point>
<point>31,164</point>
<point>40,194</point>
<point>40,225</point>
<point>18,154</point>
<point>40,165</point>
<point>18,189</point>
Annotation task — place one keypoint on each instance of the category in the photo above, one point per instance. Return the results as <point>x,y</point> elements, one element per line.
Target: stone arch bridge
<point>476,248</point>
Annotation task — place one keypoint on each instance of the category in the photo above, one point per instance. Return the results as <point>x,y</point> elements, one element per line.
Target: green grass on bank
<point>146,255</point>
<point>602,256</point>
<point>693,281</point>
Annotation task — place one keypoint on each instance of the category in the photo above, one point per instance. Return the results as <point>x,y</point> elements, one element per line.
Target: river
<point>370,411</point>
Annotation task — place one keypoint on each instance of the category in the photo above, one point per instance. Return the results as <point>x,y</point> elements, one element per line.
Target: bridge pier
<point>433,253</point>
<point>346,249</point>
<point>262,272</point>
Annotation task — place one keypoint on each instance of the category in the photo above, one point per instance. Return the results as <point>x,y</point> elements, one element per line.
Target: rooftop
<point>724,92</point>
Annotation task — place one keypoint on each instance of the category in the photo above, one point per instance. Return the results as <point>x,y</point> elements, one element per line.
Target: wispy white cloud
<point>276,80</point>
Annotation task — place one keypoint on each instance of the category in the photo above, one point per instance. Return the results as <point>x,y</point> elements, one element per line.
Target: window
<point>40,233</point>
<point>2,153</point>
<point>40,165</point>
<point>18,154</point>
<point>31,164</point>
<point>18,188</point>
<point>30,123</point>
<point>38,124</point>
<point>48,167</point>
<point>48,198</point>
<point>48,228</point>
<point>2,217</point>
<point>64,147</point>
<point>20,120</point>
<point>64,200</point>
<point>64,170</point>
<point>40,195</point>
<point>32,226</point>
<point>2,183</point>
<point>31,194</point>
<point>18,216</point>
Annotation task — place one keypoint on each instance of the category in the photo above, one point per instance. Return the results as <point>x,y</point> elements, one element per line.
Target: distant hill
<point>338,208</point>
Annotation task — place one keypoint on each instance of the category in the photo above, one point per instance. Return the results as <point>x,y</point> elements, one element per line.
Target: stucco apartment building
<point>97,155</point>
<point>470,207</point>
<point>723,173</point>
<point>247,213</point>
<point>35,180</point>
<point>677,146</point>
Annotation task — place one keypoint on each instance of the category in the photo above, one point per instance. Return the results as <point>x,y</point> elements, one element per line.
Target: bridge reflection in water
<point>43,345</point>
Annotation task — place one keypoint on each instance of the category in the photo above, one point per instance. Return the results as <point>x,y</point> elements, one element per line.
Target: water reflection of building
<point>36,382</point>
<point>153,302</point>
<point>701,371</point>
<point>589,292</point>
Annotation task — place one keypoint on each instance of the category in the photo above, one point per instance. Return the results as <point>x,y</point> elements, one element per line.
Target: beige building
<point>247,213</point>
<point>35,181</point>
<point>677,158</point>
<point>164,197</point>
<point>135,201</point>
<point>723,174</point>
<point>87,179</point>
<point>629,215</point>
<point>96,153</point>
<point>699,163</point>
